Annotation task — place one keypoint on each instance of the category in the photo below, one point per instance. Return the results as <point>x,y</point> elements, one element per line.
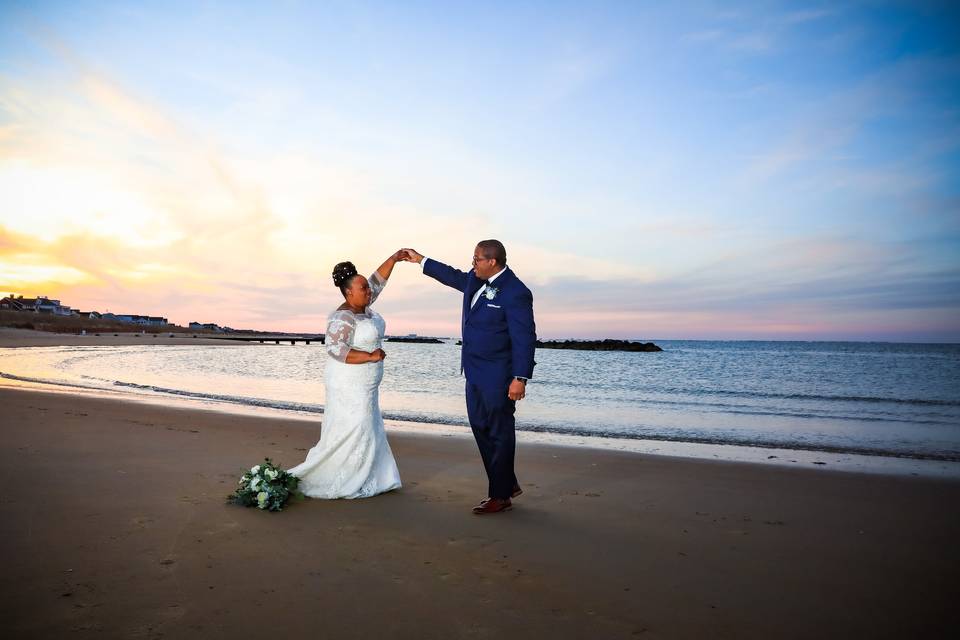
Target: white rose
<point>255,484</point>
<point>262,499</point>
<point>270,473</point>
<point>255,469</point>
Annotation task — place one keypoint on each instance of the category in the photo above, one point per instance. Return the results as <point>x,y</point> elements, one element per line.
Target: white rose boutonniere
<point>491,292</point>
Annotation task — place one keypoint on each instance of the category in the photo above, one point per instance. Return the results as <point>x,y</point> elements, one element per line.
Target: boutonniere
<point>491,292</point>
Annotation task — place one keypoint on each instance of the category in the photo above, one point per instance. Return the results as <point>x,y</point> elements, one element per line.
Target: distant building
<point>209,326</point>
<point>150,321</point>
<point>43,304</point>
<point>11,303</point>
<point>40,304</point>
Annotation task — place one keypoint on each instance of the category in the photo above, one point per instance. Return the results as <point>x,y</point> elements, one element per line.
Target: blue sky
<point>691,170</point>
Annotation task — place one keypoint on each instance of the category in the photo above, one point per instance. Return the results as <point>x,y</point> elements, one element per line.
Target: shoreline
<point>851,460</point>
<point>769,456</point>
<point>670,547</point>
<point>10,335</point>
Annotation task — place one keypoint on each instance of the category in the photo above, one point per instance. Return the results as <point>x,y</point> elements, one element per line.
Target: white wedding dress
<point>353,458</point>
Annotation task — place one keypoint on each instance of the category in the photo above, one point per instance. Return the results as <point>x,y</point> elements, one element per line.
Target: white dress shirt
<point>483,288</point>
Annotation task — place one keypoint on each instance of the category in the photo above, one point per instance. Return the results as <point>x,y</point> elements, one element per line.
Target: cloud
<point>236,213</point>
<point>12,243</point>
<point>570,69</point>
<point>827,143</point>
<point>757,35</point>
<point>813,283</point>
<point>806,15</point>
<point>756,31</point>
<point>101,183</point>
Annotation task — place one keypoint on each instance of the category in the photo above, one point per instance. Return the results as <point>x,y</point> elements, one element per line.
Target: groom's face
<point>483,266</point>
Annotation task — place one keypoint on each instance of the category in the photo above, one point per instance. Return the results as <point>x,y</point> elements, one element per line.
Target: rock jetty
<point>417,340</point>
<point>598,345</point>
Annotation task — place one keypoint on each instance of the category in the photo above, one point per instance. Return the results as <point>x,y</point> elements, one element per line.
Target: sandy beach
<point>27,338</point>
<point>116,526</point>
<point>712,249</point>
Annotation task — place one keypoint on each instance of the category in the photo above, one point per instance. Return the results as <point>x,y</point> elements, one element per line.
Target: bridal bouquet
<point>265,486</point>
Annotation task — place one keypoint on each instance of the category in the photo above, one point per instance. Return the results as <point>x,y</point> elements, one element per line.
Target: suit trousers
<point>491,415</point>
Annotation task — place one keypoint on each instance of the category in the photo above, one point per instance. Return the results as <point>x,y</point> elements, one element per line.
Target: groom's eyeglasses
<point>476,260</point>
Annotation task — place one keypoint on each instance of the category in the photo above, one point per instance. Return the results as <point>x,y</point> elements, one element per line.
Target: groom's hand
<point>517,390</point>
<point>413,256</point>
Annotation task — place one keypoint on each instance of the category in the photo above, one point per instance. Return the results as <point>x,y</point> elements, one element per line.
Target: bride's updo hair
<point>342,275</point>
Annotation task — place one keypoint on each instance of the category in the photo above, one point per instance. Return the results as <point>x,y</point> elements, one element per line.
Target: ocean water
<point>878,399</point>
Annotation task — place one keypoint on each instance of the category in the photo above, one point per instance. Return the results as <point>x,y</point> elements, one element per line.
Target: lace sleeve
<point>376,286</point>
<point>339,336</point>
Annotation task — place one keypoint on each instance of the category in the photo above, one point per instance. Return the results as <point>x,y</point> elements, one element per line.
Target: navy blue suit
<point>499,339</point>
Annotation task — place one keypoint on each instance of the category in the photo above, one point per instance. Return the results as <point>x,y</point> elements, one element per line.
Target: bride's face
<point>358,295</point>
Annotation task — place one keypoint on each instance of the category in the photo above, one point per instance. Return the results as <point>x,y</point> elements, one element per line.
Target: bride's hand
<point>401,256</point>
<point>412,255</point>
<point>377,355</point>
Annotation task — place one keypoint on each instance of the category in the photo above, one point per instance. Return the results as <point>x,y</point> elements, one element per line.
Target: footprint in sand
<point>476,542</point>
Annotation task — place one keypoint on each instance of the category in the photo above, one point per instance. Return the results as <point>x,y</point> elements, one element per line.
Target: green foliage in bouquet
<point>266,486</point>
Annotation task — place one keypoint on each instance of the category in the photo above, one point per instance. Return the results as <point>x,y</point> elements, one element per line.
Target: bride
<point>353,458</point>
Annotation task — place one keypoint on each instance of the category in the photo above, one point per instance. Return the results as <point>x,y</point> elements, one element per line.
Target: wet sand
<point>115,525</point>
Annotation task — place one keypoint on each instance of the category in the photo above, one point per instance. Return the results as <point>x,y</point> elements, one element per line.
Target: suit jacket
<point>499,334</point>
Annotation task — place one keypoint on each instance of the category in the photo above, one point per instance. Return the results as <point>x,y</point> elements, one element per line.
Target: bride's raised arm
<point>379,278</point>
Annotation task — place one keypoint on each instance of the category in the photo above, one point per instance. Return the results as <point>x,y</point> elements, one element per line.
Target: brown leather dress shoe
<point>492,505</point>
<point>516,491</point>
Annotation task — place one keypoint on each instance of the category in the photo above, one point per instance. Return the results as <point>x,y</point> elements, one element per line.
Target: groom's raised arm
<point>440,272</point>
<point>446,274</point>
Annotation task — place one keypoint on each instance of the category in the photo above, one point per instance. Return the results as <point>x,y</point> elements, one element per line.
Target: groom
<point>499,338</point>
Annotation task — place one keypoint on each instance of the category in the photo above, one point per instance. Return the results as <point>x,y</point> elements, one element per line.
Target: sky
<point>683,170</point>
